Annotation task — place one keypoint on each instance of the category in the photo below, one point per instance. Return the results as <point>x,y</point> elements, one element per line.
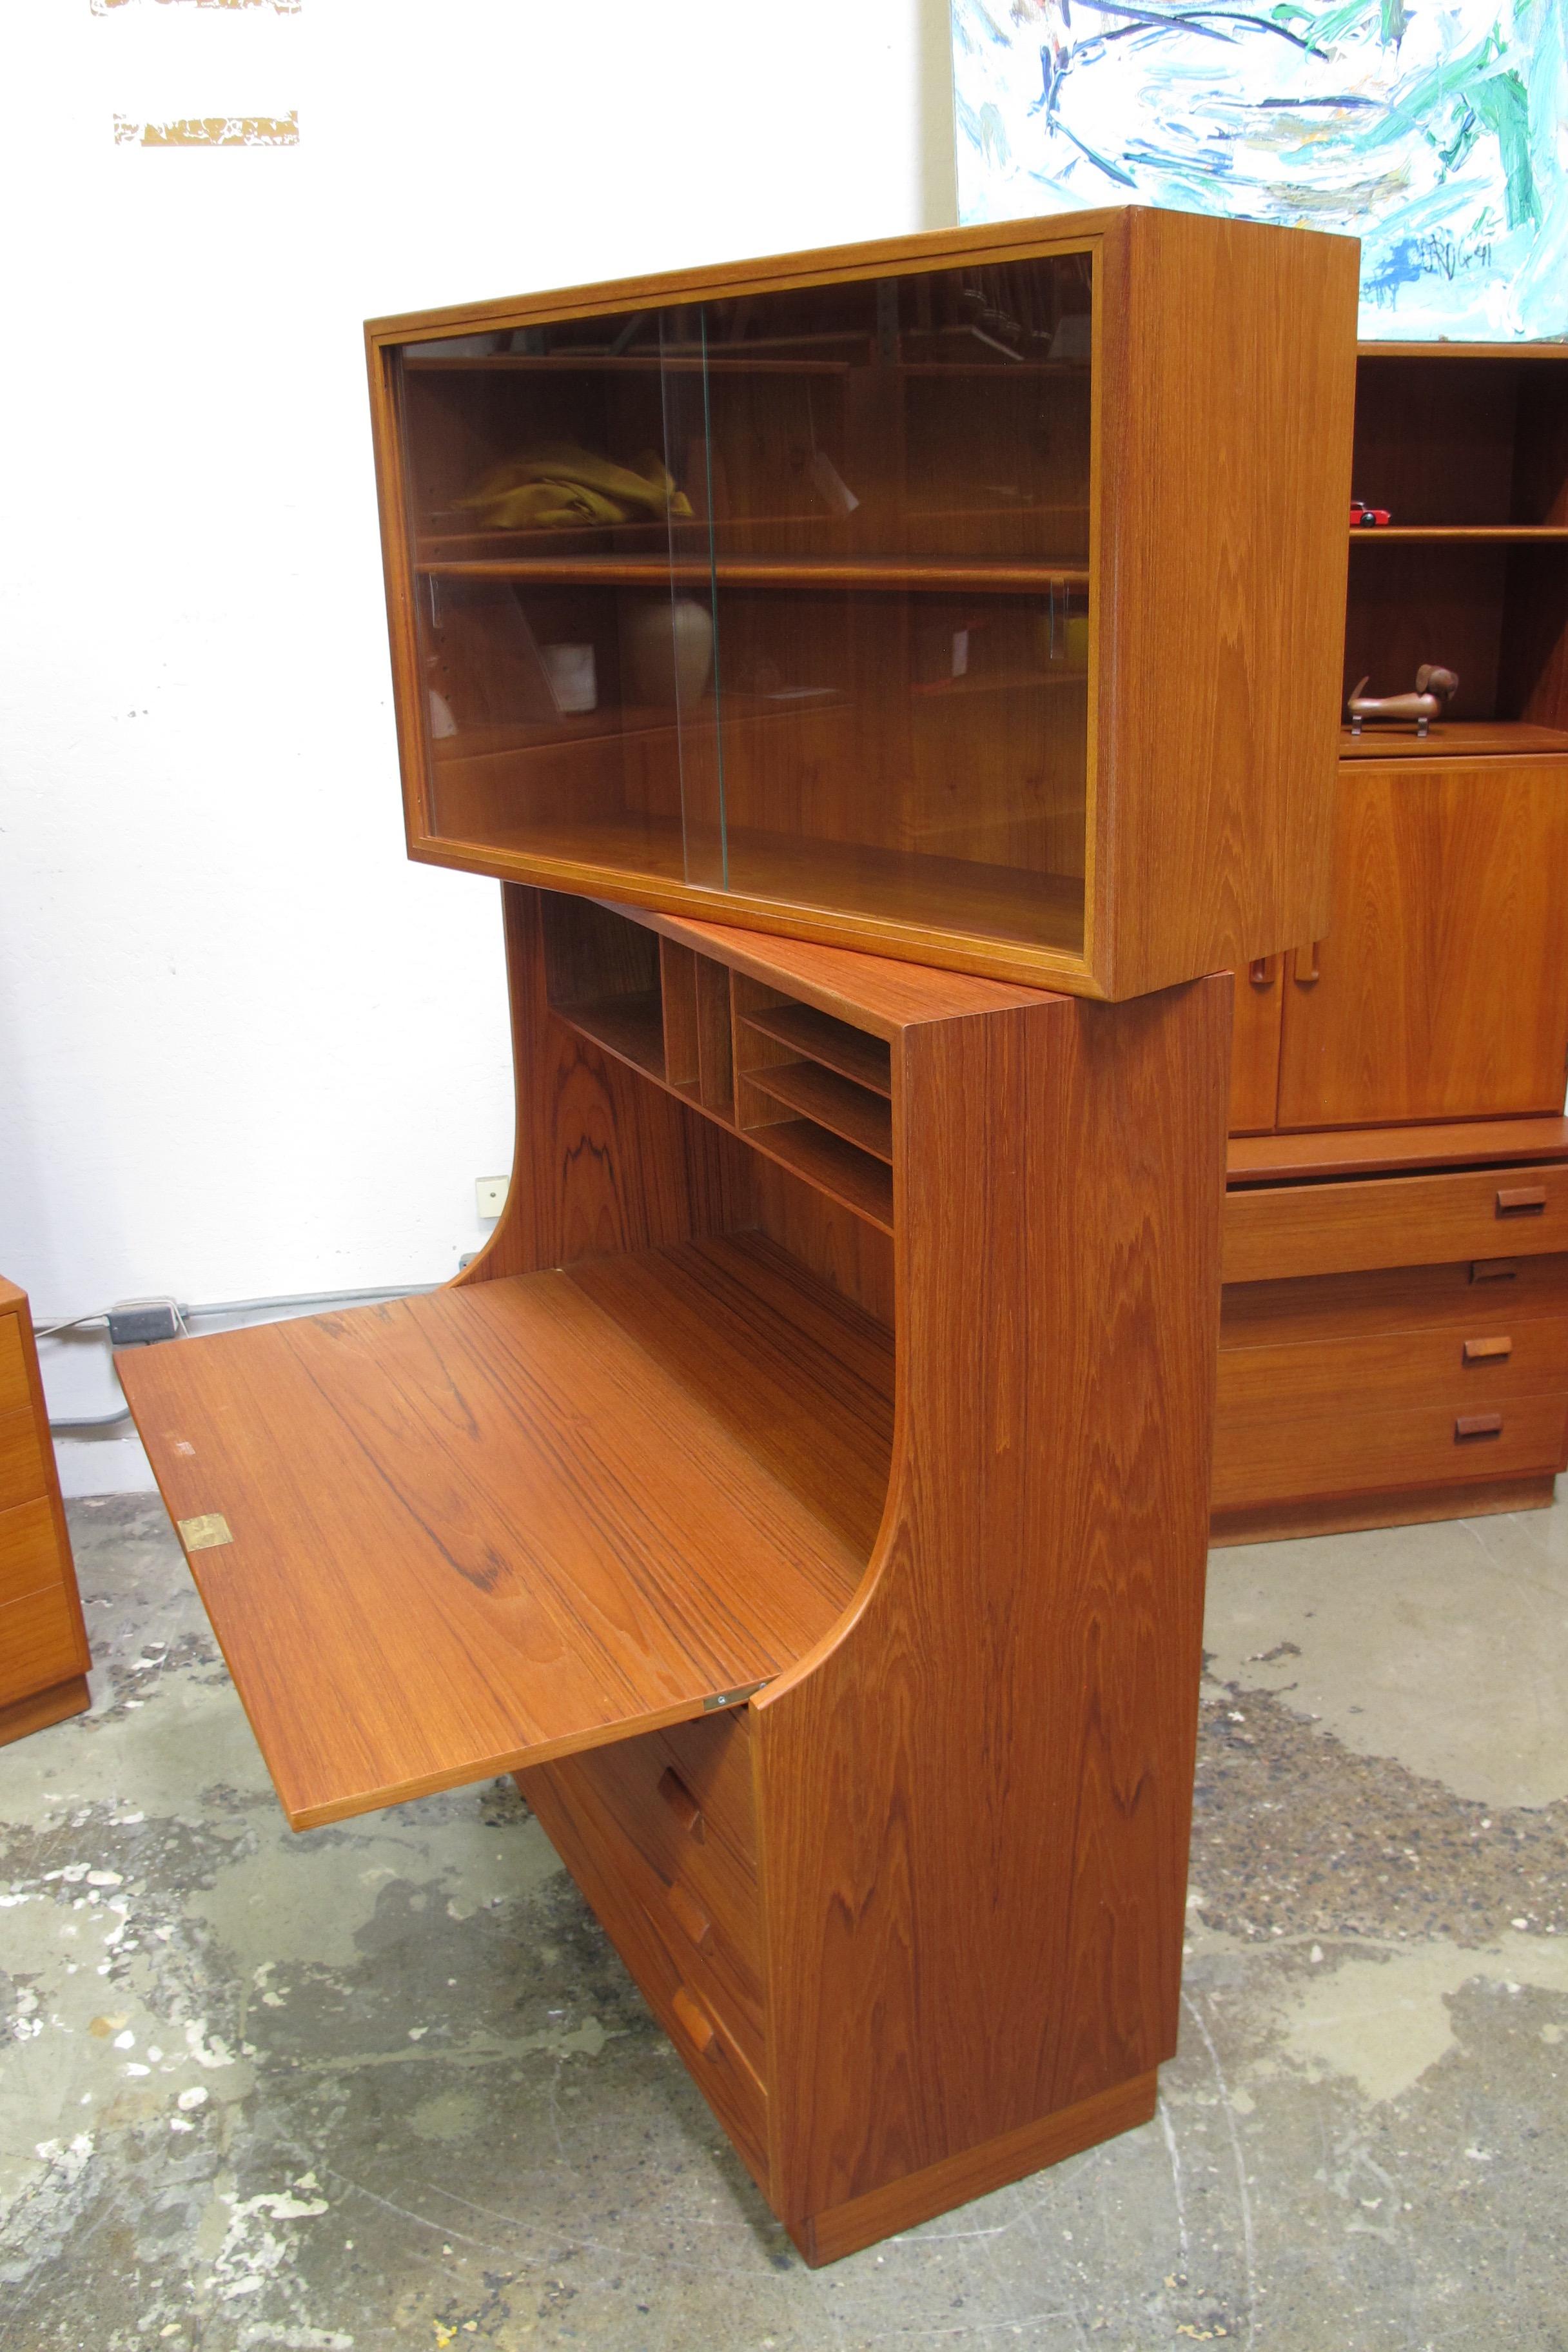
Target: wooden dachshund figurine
<point>1433,689</point>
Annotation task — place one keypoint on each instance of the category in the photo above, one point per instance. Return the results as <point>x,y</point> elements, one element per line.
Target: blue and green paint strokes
<point>1437,134</point>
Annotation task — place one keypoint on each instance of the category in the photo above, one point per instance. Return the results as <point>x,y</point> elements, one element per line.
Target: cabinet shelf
<point>1454,739</point>
<point>838,1104</point>
<point>1400,534</point>
<point>817,1035</point>
<point>992,578</point>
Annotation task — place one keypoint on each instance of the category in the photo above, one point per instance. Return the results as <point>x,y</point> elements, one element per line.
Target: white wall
<point>245,1048</point>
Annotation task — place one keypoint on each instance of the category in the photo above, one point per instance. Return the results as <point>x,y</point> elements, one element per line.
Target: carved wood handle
<point>1493,1269</point>
<point>1304,965</point>
<point>681,1802</point>
<point>689,1917</point>
<point>1477,1425</point>
<point>1520,1200</point>
<point>1478,1352</point>
<point>1262,971</point>
<point>695,2021</point>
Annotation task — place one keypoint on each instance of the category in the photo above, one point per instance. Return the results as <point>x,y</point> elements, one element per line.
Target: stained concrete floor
<point>388,2085</point>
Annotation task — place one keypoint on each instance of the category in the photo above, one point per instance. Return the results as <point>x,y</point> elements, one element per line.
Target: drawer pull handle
<point>1520,1200</point>
<point>1493,1269</point>
<point>689,1918</point>
<point>1479,1351</point>
<point>1304,965</point>
<point>695,2022</point>
<point>681,1802</point>
<point>1477,1425</point>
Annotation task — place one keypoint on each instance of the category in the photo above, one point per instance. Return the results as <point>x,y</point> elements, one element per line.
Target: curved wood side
<point>603,1160</point>
<point>973,1801</point>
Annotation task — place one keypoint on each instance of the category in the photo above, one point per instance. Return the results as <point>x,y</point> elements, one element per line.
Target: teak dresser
<point>44,1656</point>
<point>806,1492</point>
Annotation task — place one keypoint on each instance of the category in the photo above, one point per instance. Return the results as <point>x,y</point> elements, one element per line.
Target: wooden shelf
<point>834,1102</point>
<point>832,1042</point>
<point>1444,350</point>
<point>630,1027</point>
<point>998,577</point>
<point>1401,534</point>
<point>942,894</point>
<point>1454,738</point>
<point>501,1567</point>
<point>1381,1151</point>
<point>604,363</point>
<point>847,1175</point>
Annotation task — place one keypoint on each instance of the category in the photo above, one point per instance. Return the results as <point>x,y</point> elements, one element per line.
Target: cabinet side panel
<point>975,1807</point>
<point>605,1159</point>
<point>1229,399</point>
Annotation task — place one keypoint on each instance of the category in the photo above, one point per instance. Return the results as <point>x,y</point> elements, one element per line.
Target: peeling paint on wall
<point>211,130</point>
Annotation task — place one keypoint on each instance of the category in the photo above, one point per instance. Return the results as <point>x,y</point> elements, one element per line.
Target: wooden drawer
<point>1278,1230</point>
<point>1464,1298</point>
<point>1286,1455</point>
<point>617,1881</point>
<point>30,1551</point>
<point>698,1890</point>
<point>1485,1364</point>
<point>39,1644</point>
<point>22,1473</point>
<point>14,1391</point>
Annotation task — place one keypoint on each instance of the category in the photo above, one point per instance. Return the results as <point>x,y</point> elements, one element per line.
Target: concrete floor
<point>386,2085</point>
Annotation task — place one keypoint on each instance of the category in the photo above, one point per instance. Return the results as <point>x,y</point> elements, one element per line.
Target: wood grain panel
<point>14,1392</point>
<point>1265,1462</point>
<point>1276,1230</point>
<point>501,1564</point>
<point>29,1557</point>
<point>1391,1298</point>
<point>1029,1634</point>
<point>39,1642</point>
<point>1271,1388</point>
<point>1443,987</point>
<point>1387,1150</point>
<point>1255,1045</point>
<point>42,1708</point>
<point>1214,778</point>
<point>23,1471</point>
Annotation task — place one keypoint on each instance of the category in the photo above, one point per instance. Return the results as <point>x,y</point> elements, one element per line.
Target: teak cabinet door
<point>1441,991</point>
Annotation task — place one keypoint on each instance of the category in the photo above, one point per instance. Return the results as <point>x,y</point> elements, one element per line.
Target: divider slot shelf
<point>844,1109</point>
<point>818,1038</point>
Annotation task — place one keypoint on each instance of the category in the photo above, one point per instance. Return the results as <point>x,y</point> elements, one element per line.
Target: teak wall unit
<point>807,1491</point>
<point>1395,1343</point>
<point>44,1658</point>
<point>974,598</point>
<point>806,1494</point>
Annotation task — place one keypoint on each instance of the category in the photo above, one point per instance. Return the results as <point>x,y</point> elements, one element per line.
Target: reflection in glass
<point>785,594</point>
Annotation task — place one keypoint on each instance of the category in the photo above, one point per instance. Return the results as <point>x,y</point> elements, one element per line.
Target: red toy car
<point>1367,518</point>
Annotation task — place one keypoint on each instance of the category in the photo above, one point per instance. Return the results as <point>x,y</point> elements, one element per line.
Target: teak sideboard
<point>887,682</point>
<point>1394,1341</point>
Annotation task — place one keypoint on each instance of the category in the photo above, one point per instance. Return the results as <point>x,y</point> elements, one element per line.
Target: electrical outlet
<point>491,1192</point>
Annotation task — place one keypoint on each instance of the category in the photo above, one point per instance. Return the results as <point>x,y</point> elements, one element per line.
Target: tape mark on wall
<point>280,7</point>
<point>211,131</point>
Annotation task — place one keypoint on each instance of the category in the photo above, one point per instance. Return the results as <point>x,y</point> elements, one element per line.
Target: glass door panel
<point>899,479</point>
<point>548,523</point>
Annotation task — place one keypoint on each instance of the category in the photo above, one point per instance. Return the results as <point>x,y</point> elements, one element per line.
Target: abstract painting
<point>1436,133</point>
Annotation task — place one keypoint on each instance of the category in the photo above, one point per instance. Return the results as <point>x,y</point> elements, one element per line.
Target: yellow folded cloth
<point>559,485</point>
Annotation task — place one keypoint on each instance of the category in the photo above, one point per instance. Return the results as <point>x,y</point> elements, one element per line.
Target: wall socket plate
<point>490,1193</point>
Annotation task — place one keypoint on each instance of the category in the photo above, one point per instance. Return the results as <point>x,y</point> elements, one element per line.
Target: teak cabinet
<point>44,1658</point>
<point>1386,1354</point>
<point>806,1494</point>
<point>974,598</point>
